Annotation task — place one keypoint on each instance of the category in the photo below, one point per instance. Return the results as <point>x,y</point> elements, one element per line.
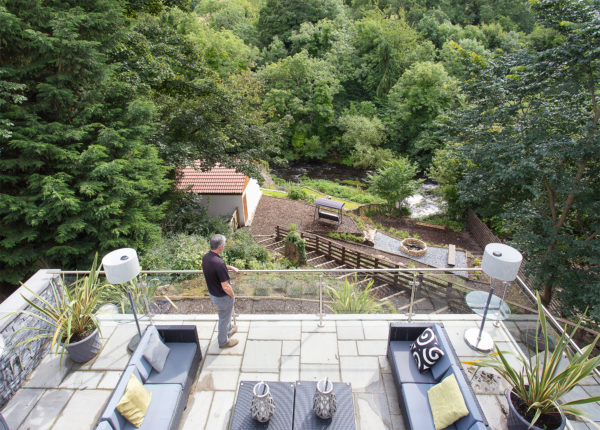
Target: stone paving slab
<point>50,372</point>
<point>220,411</point>
<point>347,347</point>
<point>290,347</point>
<point>46,410</point>
<point>83,380</point>
<point>213,347</point>
<point>262,356</point>
<point>319,348</point>
<point>198,407</point>
<point>20,405</point>
<point>371,347</point>
<point>83,410</point>
<point>372,411</point>
<point>315,372</point>
<point>274,330</point>
<point>363,373</point>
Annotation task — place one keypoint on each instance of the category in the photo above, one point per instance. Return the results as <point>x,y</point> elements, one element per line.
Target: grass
<point>444,221</point>
<point>348,205</point>
<point>354,194</point>
<point>274,193</point>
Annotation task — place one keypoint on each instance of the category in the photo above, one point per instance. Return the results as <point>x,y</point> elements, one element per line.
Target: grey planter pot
<point>85,349</point>
<point>517,422</point>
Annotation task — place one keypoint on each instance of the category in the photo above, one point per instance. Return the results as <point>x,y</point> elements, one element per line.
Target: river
<point>425,202</point>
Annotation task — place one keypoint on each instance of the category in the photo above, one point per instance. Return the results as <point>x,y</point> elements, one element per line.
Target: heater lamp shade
<point>501,262</point>
<point>121,265</point>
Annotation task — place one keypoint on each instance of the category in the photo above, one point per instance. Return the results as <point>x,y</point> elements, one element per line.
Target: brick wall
<point>17,362</point>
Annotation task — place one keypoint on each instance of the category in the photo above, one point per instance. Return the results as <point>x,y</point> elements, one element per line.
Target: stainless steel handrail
<point>392,270</point>
<point>550,318</point>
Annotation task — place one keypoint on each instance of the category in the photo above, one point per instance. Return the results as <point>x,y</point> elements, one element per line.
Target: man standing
<point>221,293</point>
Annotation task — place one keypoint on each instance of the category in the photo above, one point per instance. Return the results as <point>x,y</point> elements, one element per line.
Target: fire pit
<point>414,247</point>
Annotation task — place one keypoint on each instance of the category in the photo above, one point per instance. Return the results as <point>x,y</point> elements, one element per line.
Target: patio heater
<point>121,267</point>
<point>500,262</point>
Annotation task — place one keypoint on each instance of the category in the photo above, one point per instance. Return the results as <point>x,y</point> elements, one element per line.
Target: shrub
<point>354,194</point>
<point>261,291</point>
<point>294,291</point>
<point>295,249</point>
<point>242,252</point>
<point>297,193</point>
<point>350,299</point>
<point>187,214</point>
<point>345,236</point>
<point>175,252</point>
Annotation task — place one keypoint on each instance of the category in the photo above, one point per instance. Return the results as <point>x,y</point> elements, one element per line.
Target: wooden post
<point>329,248</point>
<point>343,255</point>
<point>358,260</point>
<point>317,243</point>
<point>376,262</point>
<point>396,277</point>
<point>277,232</point>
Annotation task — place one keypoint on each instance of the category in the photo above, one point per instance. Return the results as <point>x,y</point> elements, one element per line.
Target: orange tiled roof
<point>218,180</point>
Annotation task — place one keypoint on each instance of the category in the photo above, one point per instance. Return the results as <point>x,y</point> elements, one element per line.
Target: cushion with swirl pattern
<point>426,350</point>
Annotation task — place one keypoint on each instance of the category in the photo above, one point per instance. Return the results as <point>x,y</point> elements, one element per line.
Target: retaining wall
<point>17,362</point>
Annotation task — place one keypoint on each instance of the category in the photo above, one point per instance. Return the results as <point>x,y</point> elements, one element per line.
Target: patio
<point>348,348</point>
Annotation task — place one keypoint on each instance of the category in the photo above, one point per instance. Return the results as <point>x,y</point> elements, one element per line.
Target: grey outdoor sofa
<point>170,388</point>
<point>412,385</point>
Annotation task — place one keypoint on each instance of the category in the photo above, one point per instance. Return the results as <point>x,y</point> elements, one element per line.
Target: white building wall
<point>224,204</point>
<point>253,195</point>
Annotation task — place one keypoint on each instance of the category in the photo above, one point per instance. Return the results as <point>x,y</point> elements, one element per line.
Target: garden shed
<point>225,191</point>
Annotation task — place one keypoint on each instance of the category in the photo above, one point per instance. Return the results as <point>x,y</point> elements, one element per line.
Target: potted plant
<point>69,320</point>
<point>539,382</point>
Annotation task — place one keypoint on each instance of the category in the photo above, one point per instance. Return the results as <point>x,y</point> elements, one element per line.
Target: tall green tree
<point>281,17</point>
<point>203,116</point>
<point>76,174</point>
<point>395,180</point>
<point>530,143</point>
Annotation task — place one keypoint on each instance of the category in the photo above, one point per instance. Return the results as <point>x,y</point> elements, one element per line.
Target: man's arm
<point>235,269</point>
<point>227,288</point>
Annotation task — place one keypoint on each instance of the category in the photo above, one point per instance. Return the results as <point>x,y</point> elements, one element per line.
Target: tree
<point>395,181</point>
<point>300,94</point>
<point>530,144</point>
<point>202,116</point>
<point>281,17</point>
<point>423,92</point>
<point>77,176</point>
<point>362,138</point>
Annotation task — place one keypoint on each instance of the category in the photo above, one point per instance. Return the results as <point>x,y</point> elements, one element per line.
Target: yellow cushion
<point>135,401</point>
<point>447,403</point>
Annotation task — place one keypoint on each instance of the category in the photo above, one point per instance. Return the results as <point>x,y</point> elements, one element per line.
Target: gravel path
<point>436,257</point>
<point>273,211</point>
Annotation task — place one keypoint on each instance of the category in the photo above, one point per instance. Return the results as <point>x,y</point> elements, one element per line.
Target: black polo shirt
<point>215,272</point>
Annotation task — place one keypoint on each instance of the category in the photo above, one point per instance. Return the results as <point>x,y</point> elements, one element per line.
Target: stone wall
<point>479,231</point>
<point>17,362</point>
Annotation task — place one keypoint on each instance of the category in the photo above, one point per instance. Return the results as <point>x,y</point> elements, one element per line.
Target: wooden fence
<point>427,286</point>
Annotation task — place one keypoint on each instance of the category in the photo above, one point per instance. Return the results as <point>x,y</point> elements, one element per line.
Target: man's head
<point>217,243</point>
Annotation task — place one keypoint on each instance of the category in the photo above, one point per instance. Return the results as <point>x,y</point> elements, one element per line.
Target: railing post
<point>413,284</point>
<point>321,324</point>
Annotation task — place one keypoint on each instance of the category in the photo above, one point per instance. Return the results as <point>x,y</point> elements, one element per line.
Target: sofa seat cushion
<point>178,365</point>
<point>161,411</point>
<point>475,413</point>
<point>404,365</point>
<point>417,406</point>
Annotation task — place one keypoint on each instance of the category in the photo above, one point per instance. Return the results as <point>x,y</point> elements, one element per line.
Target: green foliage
<point>246,253</point>
<point>77,175</point>
<point>187,214</point>
<point>351,299</point>
<point>330,188</point>
<point>362,138</point>
<point>179,251</point>
<point>262,291</point>
<point>528,150</point>
<point>345,236</point>
<point>70,315</point>
<point>297,193</point>
<point>543,380</point>
<point>202,117</point>
<point>293,237</point>
<point>445,221</point>
<point>281,17</point>
<point>395,181</point>
<point>423,92</point>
